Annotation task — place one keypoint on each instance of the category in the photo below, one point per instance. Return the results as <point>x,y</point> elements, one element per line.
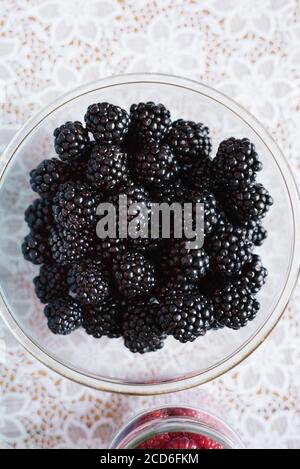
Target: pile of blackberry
<point>145,289</point>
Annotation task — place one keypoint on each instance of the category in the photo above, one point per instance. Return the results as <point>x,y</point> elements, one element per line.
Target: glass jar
<point>161,420</point>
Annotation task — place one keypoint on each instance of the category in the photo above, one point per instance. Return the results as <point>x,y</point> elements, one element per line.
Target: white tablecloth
<point>249,49</point>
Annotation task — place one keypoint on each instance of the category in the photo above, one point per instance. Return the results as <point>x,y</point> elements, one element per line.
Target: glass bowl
<point>168,419</point>
<point>106,364</point>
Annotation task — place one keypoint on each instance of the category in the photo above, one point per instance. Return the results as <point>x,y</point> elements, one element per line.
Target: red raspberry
<point>182,443</point>
<point>204,442</point>
<point>157,442</point>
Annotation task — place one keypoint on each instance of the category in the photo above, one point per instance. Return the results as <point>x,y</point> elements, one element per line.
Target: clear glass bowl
<point>106,364</point>
<point>167,419</point>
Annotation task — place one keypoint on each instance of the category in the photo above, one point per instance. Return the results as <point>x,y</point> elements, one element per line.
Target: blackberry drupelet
<point>107,167</point>
<point>64,316</point>
<point>108,123</point>
<point>134,274</point>
<point>50,283</point>
<point>189,140</point>
<point>185,316</point>
<point>75,205</point>
<point>229,249</point>
<point>234,305</point>
<point>104,319</point>
<point>88,282</point>
<point>48,175</point>
<point>192,263</point>
<point>141,330</point>
<point>69,246</point>
<point>38,215</point>
<point>251,203</point>
<point>35,248</point>
<point>149,121</point>
<point>235,164</point>
<point>70,140</point>
<point>155,164</point>
<point>254,274</point>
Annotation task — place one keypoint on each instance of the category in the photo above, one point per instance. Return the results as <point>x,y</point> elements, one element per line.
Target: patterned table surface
<point>249,49</point>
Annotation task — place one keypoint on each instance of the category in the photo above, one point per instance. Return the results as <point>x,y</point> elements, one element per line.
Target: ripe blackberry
<point>75,205</point>
<point>88,282</point>
<point>189,140</point>
<point>64,316</point>
<point>177,282</point>
<point>141,330</point>
<point>107,123</point>
<point>69,246</point>
<point>107,167</point>
<point>155,164</point>
<point>149,121</point>
<point>192,263</point>
<point>39,215</point>
<point>201,174</point>
<point>254,274</point>
<point>134,274</point>
<point>210,208</point>
<point>229,249</point>
<point>108,248</point>
<point>50,283</point>
<point>259,234</point>
<point>70,140</point>
<point>35,248</point>
<point>236,163</point>
<point>234,306</point>
<point>47,176</point>
<point>103,320</point>
<point>250,203</point>
<point>185,316</point>
<point>169,193</point>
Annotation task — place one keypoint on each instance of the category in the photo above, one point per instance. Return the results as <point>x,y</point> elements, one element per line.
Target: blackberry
<point>70,140</point>
<point>169,193</point>
<point>189,140</point>
<point>177,282</point>
<point>251,203</point>
<point>75,205</point>
<point>108,248</point>
<point>35,248</point>
<point>210,208</point>
<point>141,330</point>
<point>103,320</point>
<point>255,231</point>
<point>234,305</point>
<point>39,215</point>
<point>50,283</point>
<point>134,274</point>
<point>69,246</point>
<point>138,195</point>
<point>186,316</point>
<point>155,164</point>
<point>236,163</point>
<point>149,121</point>
<point>192,263</point>
<point>49,174</point>
<point>201,174</point>
<point>64,316</point>
<point>254,274</point>
<point>229,249</point>
<point>107,167</point>
<point>88,282</point>
<point>108,123</point>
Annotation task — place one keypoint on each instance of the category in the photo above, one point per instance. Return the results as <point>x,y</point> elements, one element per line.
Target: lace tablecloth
<point>249,49</point>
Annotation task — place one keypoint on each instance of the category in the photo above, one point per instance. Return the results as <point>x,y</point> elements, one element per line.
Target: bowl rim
<point>253,342</point>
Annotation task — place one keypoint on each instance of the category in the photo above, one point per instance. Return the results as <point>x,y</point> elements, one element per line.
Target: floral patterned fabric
<point>250,50</point>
